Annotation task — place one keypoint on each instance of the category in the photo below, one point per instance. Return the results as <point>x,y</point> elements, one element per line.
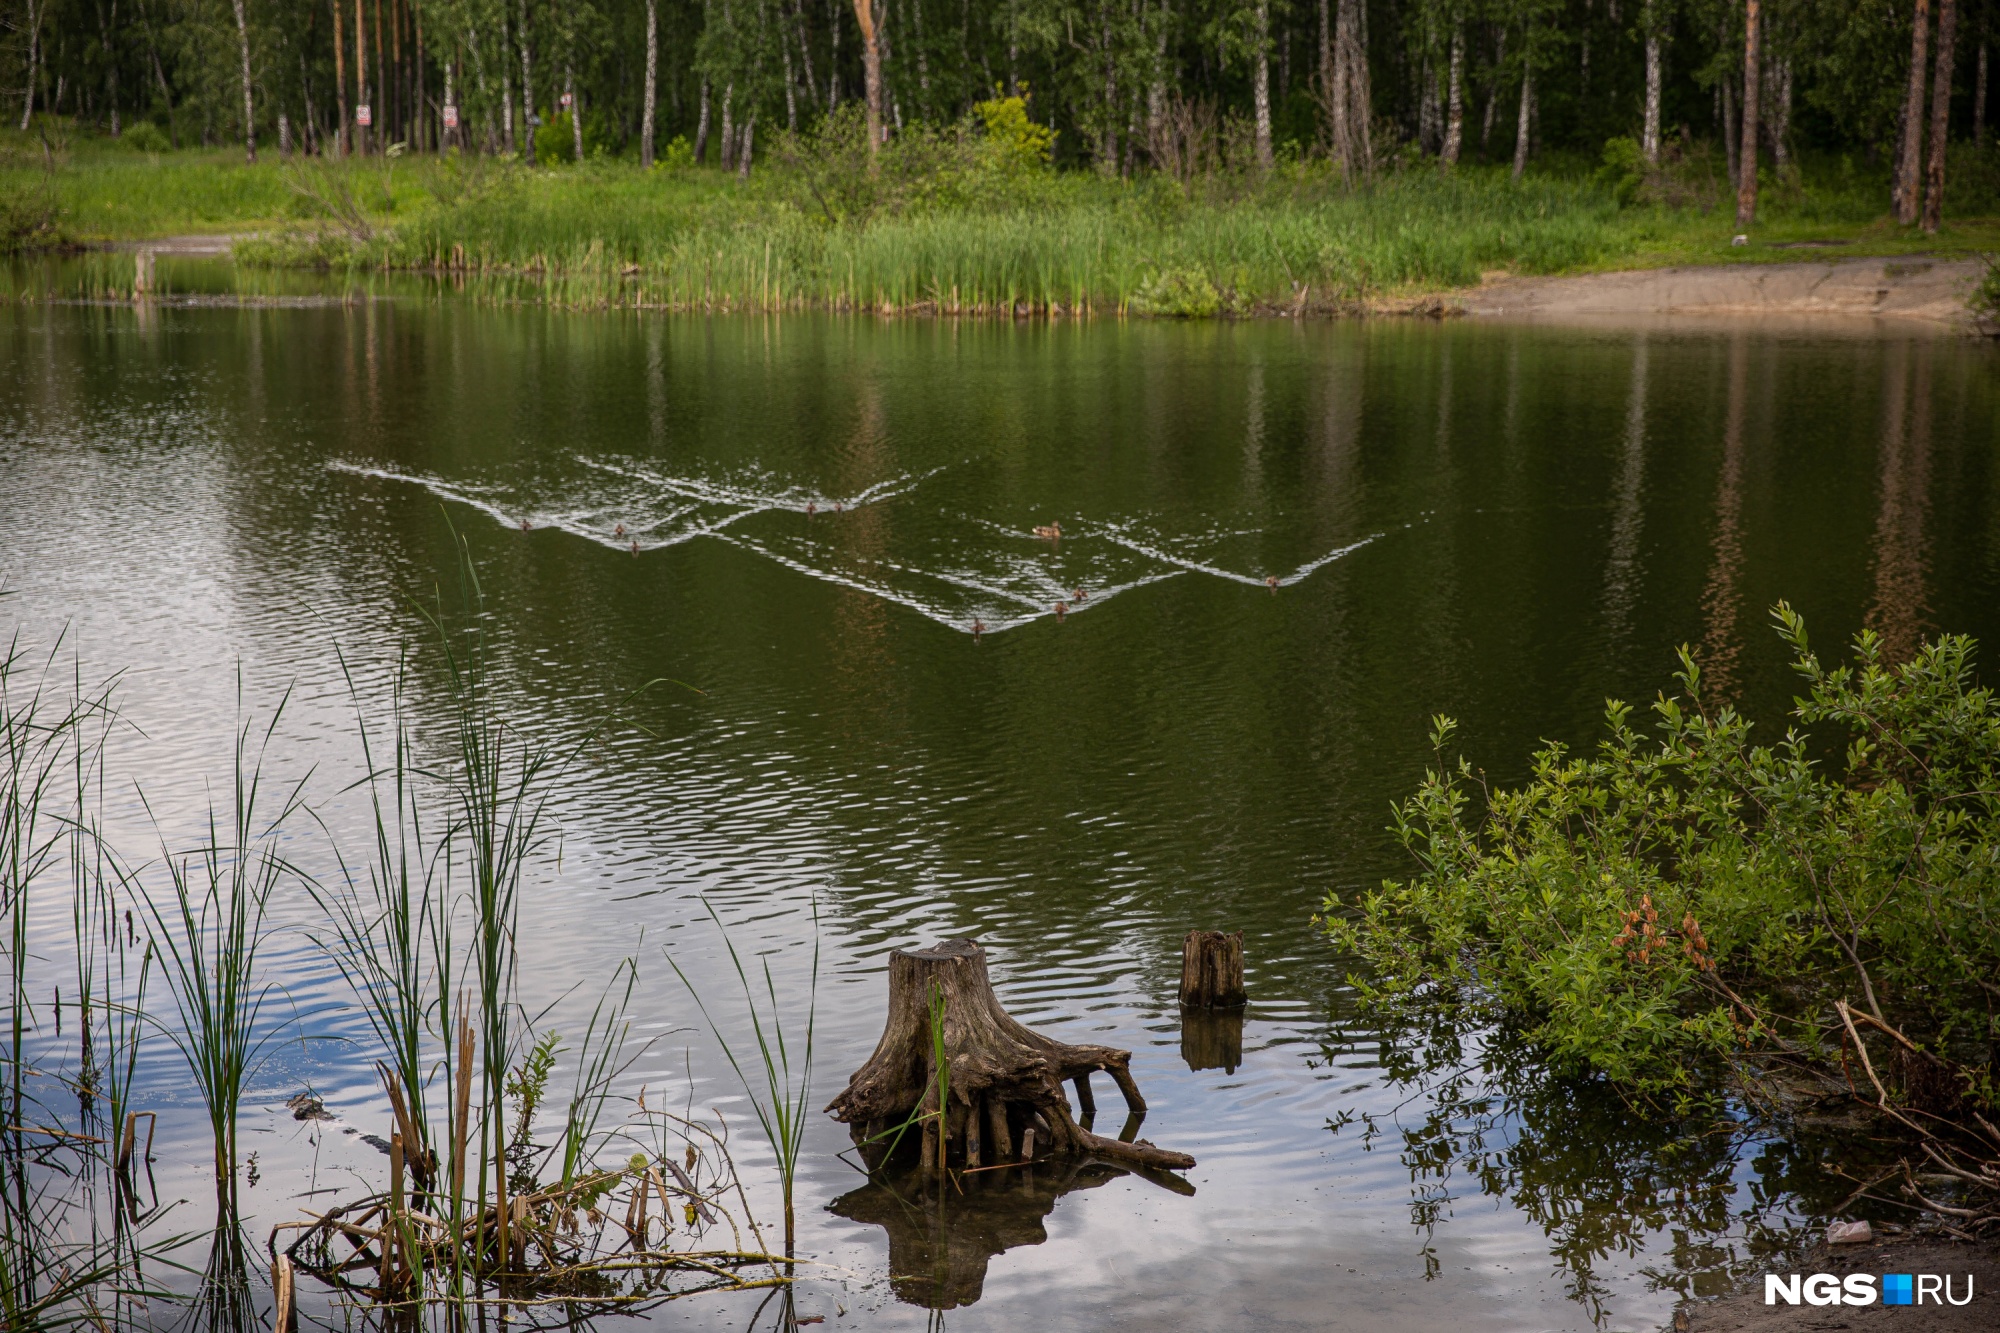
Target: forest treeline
<point>1124,83</point>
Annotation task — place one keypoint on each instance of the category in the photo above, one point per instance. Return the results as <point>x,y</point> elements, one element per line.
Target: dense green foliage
<point>1653,910</point>
<point>1113,80</point>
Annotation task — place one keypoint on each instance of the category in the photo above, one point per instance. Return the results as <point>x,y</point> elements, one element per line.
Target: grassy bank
<point>948,225</point>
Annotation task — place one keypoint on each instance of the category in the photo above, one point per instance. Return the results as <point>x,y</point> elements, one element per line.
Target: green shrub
<point>676,156</point>
<point>145,137</point>
<point>1985,299</point>
<point>1664,907</point>
<point>1179,293</point>
<point>1016,142</point>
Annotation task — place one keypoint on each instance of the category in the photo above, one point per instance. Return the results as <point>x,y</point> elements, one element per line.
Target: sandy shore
<point>1911,288</point>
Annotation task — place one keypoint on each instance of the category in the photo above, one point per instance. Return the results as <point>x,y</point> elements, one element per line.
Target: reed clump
<point>621,1206</point>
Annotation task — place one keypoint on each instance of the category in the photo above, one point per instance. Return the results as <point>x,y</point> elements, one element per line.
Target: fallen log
<point>999,1084</point>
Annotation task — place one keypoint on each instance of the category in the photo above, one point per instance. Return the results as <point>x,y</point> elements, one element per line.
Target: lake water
<point>1506,523</point>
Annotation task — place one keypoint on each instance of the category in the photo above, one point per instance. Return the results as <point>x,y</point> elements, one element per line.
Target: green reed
<point>392,942</point>
<point>58,1267</point>
<point>783,1101</point>
<point>209,927</point>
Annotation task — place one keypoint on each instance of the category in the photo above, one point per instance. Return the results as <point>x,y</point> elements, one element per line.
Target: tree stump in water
<point>1001,1084</point>
<point>1211,969</point>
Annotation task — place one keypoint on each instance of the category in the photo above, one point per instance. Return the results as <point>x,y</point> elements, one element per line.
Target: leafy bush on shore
<point>1664,907</point>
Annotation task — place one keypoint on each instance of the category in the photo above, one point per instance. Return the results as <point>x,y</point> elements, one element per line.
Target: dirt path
<point>1744,1310</point>
<point>1908,288</point>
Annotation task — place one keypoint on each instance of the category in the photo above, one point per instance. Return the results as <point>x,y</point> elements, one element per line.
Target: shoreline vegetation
<point>1803,921</point>
<point>969,220</point>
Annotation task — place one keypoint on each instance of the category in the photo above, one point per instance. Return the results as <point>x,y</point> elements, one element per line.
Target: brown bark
<point>1212,1039</point>
<point>1909,157</point>
<point>1753,79</point>
<point>998,1075</point>
<point>341,139</point>
<point>1947,35</point>
<point>1211,969</point>
<point>361,97</point>
<point>871,71</point>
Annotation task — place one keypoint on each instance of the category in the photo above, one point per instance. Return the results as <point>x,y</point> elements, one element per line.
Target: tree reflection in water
<point>1694,1197</point>
<point>942,1234</point>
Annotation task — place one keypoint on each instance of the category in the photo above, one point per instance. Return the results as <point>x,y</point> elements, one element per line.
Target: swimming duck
<point>1053,531</point>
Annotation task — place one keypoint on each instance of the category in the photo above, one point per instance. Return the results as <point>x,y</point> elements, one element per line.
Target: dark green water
<point>1504,523</point>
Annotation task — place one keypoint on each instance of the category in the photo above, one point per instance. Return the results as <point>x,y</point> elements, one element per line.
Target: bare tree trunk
<point>805,49</point>
<point>361,98</point>
<point>791,88</point>
<point>1527,108</point>
<point>35,11</point>
<point>342,137</point>
<point>1778,120</point>
<point>1260,82</point>
<point>1352,105</point>
<point>1493,91</point>
<point>1979,99</point>
<point>728,127</point>
<point>1454,102</point>
<point>1753,77</point>
<point>453,136</point>
<point>107,21</point>
<point>1727,89</point>
<point>1947,37</point>
<point>652,82</point>
<point>527,86</point>
<point>833,74</point>
<point>425,141</point>
<point>575,114</point>
<point>1649,137</point>
<point>506,85</point>
<point>749,143</point>
<point>701,128</point>
<point>871,71</point>
<point>1909,157</point>
<point>249,111</point>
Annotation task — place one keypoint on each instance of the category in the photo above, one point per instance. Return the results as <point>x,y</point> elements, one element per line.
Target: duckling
<point>1271,582</point>
<point>1053,531</point>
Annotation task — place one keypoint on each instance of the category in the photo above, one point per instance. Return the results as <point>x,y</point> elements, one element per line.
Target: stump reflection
<point>942,1234</point>
<point>1212,1039</point>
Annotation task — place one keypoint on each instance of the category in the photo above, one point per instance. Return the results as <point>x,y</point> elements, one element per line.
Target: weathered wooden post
<point>1211,969</point>
<point>142,275</point>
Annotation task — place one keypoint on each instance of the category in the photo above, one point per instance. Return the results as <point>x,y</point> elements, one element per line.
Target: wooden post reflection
<point>1720,645</point>
<point>1621,569</point>
<point>1900,611</point>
